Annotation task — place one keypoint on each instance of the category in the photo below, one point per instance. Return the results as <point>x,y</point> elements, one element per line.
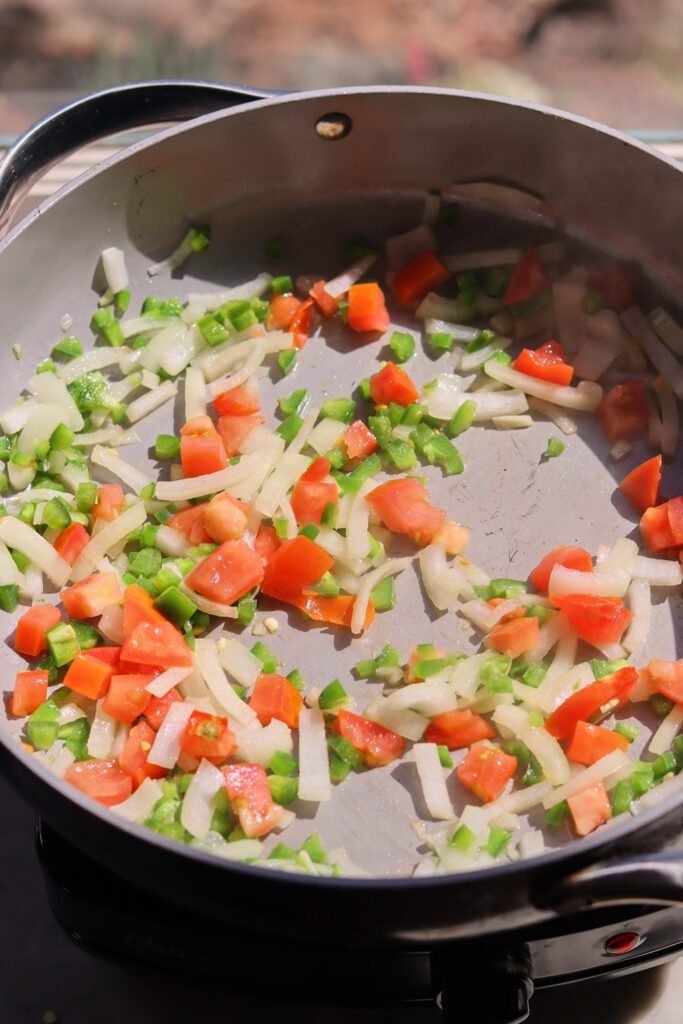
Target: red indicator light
<point>622,942</point>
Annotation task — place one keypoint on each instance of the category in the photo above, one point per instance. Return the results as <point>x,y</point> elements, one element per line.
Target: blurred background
<point>617,61</point>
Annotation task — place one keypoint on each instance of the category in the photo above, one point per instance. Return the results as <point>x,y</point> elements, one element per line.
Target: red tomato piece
<point>227,573</point>
<point>208,736</point>
<point>275,696</point>
<point>266,543</point>
<point>423,274</point>
<point>403,507</point>
<point>548,362</point>
<point>133,757</point>
<point>528,280</point>
<point>367,310</point>
<point>666,677</point>
<point>614,286</point>
<point>591,742</point>
<point>655,529</point>
<point>249,793</point>
<point>71,542</point>
<point>225,518</point>
<point>108,655</point>
<point>190,522</point>
<point>590,808</point>
<point>674,511</point>
<point>237,402</point>
<point>359,441</point>
<point>160,644</point>
<point>392,384</point>
<point>92,596</point>
<point>336,611</point>
<point>281,312</point>
<point>108,503</point>
<point>294,568</point>
<point>234,429</point>
<point>156,710</point>
<point>312,494</point>
<point>300,324</point>
<point>641,485</point>
<point>127,697</point>
<point>597,620</point>
<point>325,302</point>
<point>89,676</point>
<point>456,729</point>
<point>515,637</point>
<point>625,411</point>
<point>29,638</point>
<point>376,744</point>
<point>138,606</point>
<point>104,781</point>
<point>201,448</point>
<point>586,702</point>
<point>570,557</point>
<point>30,691</point>
<point>485,770</point>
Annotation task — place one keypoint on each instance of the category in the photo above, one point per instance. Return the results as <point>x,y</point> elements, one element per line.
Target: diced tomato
<point>456,729</point>
<point>201,447</point>
<point>266,543</point>
<point>234,429</point>
<point>312,493</point>
<point>591,742</point>
<point>104,781</point>
<point>641,485</point>
<point>71,542</point>
<point>336,611</point>
<point>300,325</point>
<point>156,710</point>
<point>89,676</point>
<point>138,606</point>
<point>227,573</point>
<point>190,522</point>
<point>249,793</point>
<point>208,736</point>
<point>423,274</point>
<point>282,310</point>
<point>275,696</point>
<point>29,638</point>
<point>392,384</point>
<point>597,620</point>
<point>674,510</point>
<point>133,757</point>
<point>452,537</point>
<point>160,644</point>
<point>625,411</point>
<point>614,286</point>
<point>528,280</point>
<point>30,691</point>
<point>108,655</point>
<point>359,441</point>
<point>127,697</point>
<point>485,770</point>
<point>376,744</point>
<point>403,507</point>
<point>367,310</point>
<point>571,558</point>
<point>325,302</point>
<point>92,596</point>
<point>655,529</point>
<point>548,362</point>
<point>237,402</point>
<point>590,808</point>
<point>294,568</point>
<point>666,677</point>
<point>225,518</point>
<point>108,503</point>
<point>515,637</point>
<point>586,702</point>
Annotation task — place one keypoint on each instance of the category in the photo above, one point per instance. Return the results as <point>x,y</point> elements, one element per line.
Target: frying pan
<point>319,170</point>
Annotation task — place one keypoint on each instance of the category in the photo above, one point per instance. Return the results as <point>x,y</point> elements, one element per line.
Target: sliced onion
<point>144,325</point>
<point>554,413</point>
<point>249,290</point>
<point>436,307</point>
<point>49,389</point>
<point>204,604</point>
<point>102,733</point>
<point>175,356</point>
<point>401,249</point>
<point>465,675</point>
<point>604,342</point>
<point>170,542</point>
<point>429,698</point>
<point>246,371</point>
<point>670,434</point>
<point>658,572</point>
<point>658,354</point>
<point>549,634</point>
<point>94,359</point>
<point>195,393</point>
<point>326,435</point>
<point>19,535</point>
<point>110,459</point>
<point>165,750</point>
<point>443,583</point>
<point>140,804</point>
<point>220,360</point>
<point>369,581</point>
<point>111,623</point>
<point>641,608</point>
<point>206,659</point>
<point>164,683</point>
<point>563,660</point>
<point>491,405</point>
<point>668,330</point>
<point>146,404</point>
<point>596,584</point>
<point>258,745</point>
<point>619,558</point>
<point>555,690</point>
<point>198,803</point>
<point>596,773</point>
<point>284,476</point>
<point>339,285</point>
<point>512,422</point>
<point>32,585</point>
<point>40,425</point>
<point>473,360</point>
<point>209,483</point>
<point>357,529</point>
<point>620,448</point>
<point>459,332</point>
<point>519,801</point>
<point>314,771</point>
<point>108,537</point>
<point>586,397</point>
<point>432,780</point>
<point>480,614</point>
<point>114,269</point>
<point>238,661</point>
<point>542,745</point>
<point>404,721</point>
<point>667,731</point>
<point>479,260</point>
<point>114,436</point>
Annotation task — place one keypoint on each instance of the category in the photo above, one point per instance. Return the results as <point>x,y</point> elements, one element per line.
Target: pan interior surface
<point>517,504</point>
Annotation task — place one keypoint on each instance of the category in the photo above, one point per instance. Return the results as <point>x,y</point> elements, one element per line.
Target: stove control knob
<point>503,975</point>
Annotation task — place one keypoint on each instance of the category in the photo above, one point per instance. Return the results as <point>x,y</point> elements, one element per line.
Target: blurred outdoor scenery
<point>618,61</point>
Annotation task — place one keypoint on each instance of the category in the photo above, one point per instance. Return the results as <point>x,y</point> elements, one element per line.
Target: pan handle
<point>105,113</point>
<point>655,879</point>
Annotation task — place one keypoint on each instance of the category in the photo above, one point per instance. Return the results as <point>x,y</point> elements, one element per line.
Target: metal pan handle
<point>655,879</point>
<point>105,113</point>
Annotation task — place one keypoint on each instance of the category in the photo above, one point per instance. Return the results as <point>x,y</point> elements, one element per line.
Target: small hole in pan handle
<point>333,127</point>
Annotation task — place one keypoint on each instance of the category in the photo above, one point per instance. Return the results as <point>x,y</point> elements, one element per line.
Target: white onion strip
<point>314,771</point>
<point>102,732</point>
<point>107,538</point>
<point>585,398</point>
<point>198,804</point>
<point>208,483</point>
<point>24,538</point>
<point>195,393</point>
<point>110,459</point>
<point>606,766</point>
<point>554,413</point>
<point>141,803</point>
<point>641,608</point>
<point>432,781</point>
<point>151,401</point>
<point>339,285</point>
<point>658,354</point>
<point>667,731</point>
<point>596,584</point>
<point>368,582</point>
<point>542,745</point>
<point>668,330</point>
<point>165,750</point>
<point>206,660</point>
<point>164,683</point>
<point>238,661</point>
